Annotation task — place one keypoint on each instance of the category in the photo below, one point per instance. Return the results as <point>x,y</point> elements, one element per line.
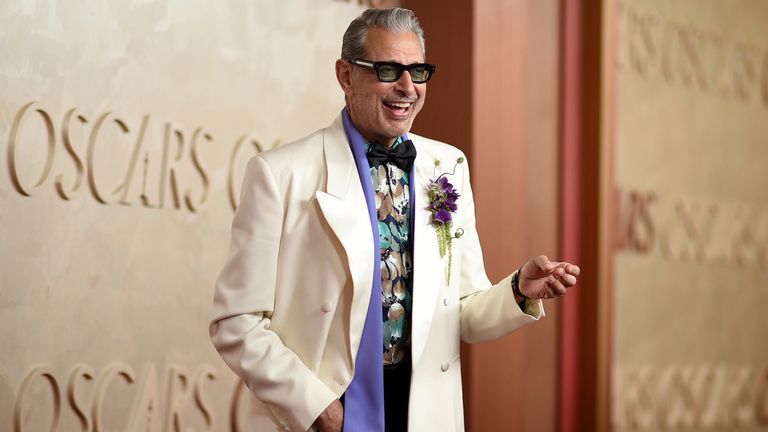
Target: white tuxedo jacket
<point>291,301</point>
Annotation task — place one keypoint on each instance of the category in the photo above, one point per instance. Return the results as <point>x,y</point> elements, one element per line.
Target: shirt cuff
<point>529,307</point>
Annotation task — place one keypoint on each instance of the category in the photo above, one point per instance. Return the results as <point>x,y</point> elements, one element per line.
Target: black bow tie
<point>402,155</point>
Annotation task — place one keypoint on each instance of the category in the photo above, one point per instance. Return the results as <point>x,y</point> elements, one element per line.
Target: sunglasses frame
<point>374,66</point>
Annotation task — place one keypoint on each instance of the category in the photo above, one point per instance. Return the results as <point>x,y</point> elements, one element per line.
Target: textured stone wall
<point>691,252</point>
<point>124,131</point>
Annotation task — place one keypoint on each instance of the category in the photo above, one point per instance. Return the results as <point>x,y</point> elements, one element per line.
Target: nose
<point>405,84</point>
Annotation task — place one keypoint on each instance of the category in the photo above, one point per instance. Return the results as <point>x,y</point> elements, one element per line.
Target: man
<point>355,267</point>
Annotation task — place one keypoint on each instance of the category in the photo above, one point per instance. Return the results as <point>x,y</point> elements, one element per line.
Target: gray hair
<point>396,20</point>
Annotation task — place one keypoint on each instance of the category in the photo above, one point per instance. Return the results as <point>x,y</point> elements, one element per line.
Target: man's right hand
<point>332,419</point>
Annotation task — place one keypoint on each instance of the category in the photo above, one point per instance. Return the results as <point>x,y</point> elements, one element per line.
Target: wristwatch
<point>516,284</point>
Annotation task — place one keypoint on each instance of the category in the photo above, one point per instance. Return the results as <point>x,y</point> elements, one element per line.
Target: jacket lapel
<point>428,266</point>
<point>345,210</point>
<point>344,207</point>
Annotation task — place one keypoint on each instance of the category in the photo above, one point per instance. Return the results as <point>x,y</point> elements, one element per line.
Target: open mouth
<point>398,109</point>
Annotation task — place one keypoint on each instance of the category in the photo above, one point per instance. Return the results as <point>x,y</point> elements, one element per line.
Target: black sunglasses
<point>391,71</point>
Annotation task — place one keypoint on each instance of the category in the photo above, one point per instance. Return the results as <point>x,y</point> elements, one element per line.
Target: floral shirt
<point>391,192</point>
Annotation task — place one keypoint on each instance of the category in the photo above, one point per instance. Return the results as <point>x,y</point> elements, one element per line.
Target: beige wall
<point>690,277</point>
<point>124,128</point>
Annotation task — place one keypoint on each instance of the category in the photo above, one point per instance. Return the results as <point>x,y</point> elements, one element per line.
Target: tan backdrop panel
<point>125,127</point>
<point>690,276</point>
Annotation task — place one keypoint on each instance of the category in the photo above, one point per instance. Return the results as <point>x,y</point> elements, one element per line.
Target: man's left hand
<point>541,278</point>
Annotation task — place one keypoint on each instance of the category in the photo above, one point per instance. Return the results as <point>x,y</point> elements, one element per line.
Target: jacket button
<point>326,307</point>
<point>445,301</point>
<point>444,367</point>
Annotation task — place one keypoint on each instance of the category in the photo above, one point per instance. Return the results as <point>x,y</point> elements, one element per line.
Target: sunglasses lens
<point>419,74</point>
<point>388,73</point>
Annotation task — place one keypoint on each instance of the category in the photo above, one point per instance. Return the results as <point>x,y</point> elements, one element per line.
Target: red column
<point>570,210</point>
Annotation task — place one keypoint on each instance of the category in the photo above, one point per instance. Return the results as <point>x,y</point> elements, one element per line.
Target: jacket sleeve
<point>487,311</point>
<point>243,304</point>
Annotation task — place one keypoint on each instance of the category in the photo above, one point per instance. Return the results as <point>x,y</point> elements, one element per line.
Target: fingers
<point>572,269</point>
<point>555,287</point>
<point>568,280</point>
<point>543,263</point>
<point>561,278</point>
<point>565,274</point>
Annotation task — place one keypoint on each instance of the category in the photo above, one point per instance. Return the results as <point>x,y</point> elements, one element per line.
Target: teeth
<point>398,104</point>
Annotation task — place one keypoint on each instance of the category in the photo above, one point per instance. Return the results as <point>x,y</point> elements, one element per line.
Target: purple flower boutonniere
<point>442,205</point>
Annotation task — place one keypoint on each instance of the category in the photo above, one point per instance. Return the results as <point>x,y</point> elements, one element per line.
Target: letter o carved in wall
<point>36,372</point>
<point>12,147</point>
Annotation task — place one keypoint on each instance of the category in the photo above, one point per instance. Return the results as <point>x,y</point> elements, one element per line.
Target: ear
<point>344,75</point>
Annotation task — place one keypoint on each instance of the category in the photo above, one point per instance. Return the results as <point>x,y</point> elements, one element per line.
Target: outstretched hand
<point>541,278</point>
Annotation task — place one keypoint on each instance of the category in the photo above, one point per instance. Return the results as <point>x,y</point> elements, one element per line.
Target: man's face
<point>383,111</point>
